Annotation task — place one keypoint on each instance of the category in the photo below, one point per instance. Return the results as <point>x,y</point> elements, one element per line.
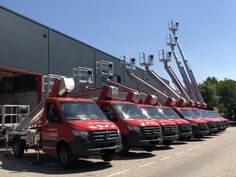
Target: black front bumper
<point>185,131</point>
<point>136,139</point>
<point>200,129</point>
<point>200,132</point>
<point>185,135</point>
<point>85,147</point>
<point>213,130</point>
<point>170,138</point>
<point>169,133</point>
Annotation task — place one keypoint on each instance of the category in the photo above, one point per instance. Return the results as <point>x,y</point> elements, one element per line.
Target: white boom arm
<point>66,85</point>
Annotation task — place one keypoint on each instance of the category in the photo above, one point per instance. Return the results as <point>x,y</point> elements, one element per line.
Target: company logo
<point>107,136</point>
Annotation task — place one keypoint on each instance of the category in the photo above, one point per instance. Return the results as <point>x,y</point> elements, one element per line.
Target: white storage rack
<point>11,116</point>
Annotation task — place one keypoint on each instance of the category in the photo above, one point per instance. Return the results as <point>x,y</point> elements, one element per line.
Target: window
<point>152,112</point>
<point>53,114</point>
<point>79,110</point>
<point>108,112</point>
<point>128,111</point>
<point>170,113</point>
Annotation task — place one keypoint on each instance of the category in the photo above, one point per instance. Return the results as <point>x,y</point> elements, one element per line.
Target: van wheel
<point>125,148</point>
<point>167,143</point>
<point>199,136</point>
<point>18,148</point>
<point>107,157</point>
<point>66,157</point>
<point>188,139</point>
<point>182,138</point>
<point>149,148</point>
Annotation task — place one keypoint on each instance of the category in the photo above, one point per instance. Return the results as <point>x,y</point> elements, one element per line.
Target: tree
<point>209,92</point>
<point>227,93</point>
<point>220,94</point>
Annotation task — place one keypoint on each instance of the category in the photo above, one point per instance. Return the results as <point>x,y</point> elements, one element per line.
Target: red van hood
<point>180,121</point>
<point>209,119</point>
<point>197,121</point>
<point>164,122</point>
<point>141,122</point>
<point>217,119</point>
<point>92,125</point>
<point>222,119</point>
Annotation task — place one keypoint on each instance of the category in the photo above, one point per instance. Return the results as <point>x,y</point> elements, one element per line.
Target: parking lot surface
<point>212,156</point>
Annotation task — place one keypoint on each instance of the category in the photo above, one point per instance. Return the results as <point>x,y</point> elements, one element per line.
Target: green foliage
<point>221,95</point>
<point>209,92</point>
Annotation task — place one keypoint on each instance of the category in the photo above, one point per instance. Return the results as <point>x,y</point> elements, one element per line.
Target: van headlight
<point>80,133</point>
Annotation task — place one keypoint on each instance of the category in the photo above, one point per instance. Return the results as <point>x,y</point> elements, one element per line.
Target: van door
<point>51,128</point>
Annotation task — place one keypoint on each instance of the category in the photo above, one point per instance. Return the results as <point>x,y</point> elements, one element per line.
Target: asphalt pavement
<point>212,156</point>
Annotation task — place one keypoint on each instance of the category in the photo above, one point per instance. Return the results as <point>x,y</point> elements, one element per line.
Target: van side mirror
<point>110,115</point>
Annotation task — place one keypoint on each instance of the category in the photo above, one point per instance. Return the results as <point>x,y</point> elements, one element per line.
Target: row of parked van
<point>143,125</point>
<point>72,127</point>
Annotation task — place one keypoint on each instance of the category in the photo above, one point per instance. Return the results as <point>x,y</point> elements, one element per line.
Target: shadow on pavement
<point>49,165</point>
<point>213,135</point>
<point>134,155</point>
<point>179,143</point>
<point>195,139</point>
<point>163,148</point>
<point>208,137</point>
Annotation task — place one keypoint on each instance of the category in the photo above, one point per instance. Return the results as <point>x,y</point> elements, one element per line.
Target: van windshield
<point>170,113</point>
<point>81,110</point>
<point>128,111</point>
<point>214,114</point>
<point>188,114</point>
<point>153,113</point>
<point>198,113</point>
<point>206,114</point>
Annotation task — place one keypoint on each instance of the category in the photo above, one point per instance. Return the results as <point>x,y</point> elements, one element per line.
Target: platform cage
<point>127,62</point>
<point>48,81</point>
<point>83,75</point>
<point>165,57</point>
<point>146,61</point>
<point>104,68</point>
<point>173,26</point>
<point>12,115</point>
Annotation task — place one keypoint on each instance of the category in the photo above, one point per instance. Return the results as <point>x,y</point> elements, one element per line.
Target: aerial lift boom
<point>168,101</point>
<point>149,61</point>
<point>171,43</point>
<point>166,58</point>
<point>60,87</point>
<point>131,92</point>
<point>173,28</point>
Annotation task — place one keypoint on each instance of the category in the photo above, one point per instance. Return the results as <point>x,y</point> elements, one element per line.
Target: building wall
<point>22,44</point>
<point>28,45</point>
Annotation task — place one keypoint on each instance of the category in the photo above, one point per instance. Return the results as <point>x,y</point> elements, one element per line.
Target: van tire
<point>125,148</point>
<point>167,143</point>
<point>18,147</point>
<point>107,157</point>
<point>149,148</point>
<point>66,156</point>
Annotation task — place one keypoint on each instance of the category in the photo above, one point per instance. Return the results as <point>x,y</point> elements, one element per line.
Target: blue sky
<point>128,27</point>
